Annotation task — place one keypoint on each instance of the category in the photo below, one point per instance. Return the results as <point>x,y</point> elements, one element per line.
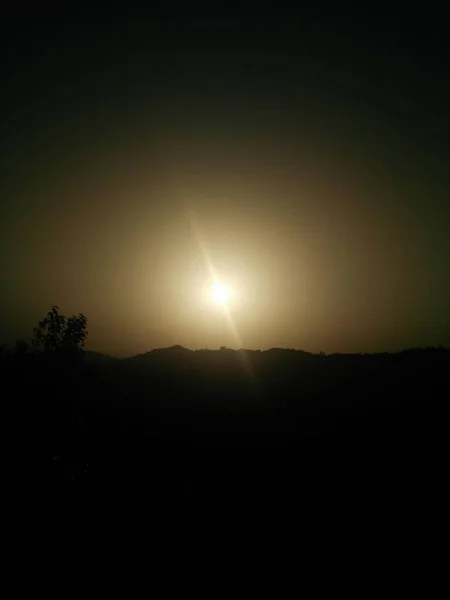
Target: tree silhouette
<point>56,348</point>
<point>57,335</point>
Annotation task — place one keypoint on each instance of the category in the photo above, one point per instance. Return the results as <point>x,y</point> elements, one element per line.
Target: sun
<point>220,293</point>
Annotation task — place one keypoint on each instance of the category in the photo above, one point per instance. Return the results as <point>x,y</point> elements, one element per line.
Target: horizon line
<point>285,349</point>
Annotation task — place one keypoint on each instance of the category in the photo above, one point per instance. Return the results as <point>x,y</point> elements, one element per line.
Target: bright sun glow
<point>220,293</point>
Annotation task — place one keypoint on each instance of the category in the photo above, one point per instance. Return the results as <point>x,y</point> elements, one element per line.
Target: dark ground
<point>359,434</point>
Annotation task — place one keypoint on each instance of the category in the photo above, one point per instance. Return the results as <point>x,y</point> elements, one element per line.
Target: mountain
<point>93,357</point>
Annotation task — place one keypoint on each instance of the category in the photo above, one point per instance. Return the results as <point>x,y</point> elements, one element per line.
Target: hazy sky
<point>307,163</point>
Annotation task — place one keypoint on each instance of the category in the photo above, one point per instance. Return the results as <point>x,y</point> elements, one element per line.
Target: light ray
<point>197,243</point>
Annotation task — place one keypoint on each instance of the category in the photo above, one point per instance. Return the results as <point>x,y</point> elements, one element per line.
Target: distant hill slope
<point>91,356</point>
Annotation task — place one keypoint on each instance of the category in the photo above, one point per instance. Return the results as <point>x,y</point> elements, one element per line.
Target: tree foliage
<point>59,335</point>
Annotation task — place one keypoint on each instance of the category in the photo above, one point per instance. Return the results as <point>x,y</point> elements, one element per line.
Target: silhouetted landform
<point>226,423</point>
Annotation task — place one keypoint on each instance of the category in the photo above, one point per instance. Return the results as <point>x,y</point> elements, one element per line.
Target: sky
<point>304,162</point>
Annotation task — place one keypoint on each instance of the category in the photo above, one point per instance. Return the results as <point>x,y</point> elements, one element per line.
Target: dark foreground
<point>362,432</point>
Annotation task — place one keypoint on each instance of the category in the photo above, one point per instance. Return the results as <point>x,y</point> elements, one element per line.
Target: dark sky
<point>305,162</point>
